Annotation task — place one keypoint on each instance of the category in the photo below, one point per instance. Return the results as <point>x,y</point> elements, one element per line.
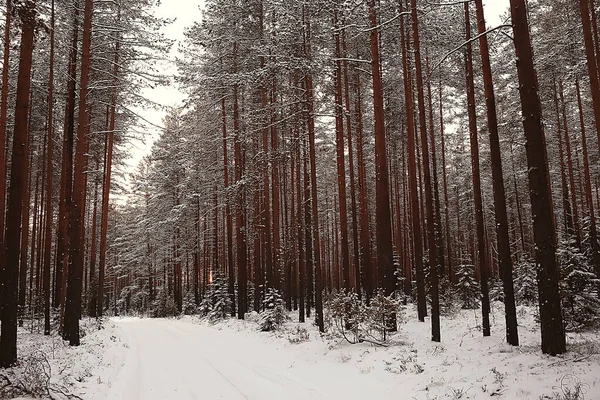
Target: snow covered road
<point>172,360</point>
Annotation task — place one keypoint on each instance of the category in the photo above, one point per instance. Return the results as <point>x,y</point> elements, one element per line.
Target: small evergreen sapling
<point>347,313</point>
<point>273,315</point>
<point>380,311</point>
<point>525,282</point>
<point>189,304</point>
<point>578,289</point>
<point>164,305</point>
<point>467,287</point>
<point>216,304</point>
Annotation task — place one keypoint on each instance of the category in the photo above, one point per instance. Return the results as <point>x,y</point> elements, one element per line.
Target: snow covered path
<point>169,359</point>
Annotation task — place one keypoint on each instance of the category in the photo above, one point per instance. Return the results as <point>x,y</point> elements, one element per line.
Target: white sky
<point>185,13</point>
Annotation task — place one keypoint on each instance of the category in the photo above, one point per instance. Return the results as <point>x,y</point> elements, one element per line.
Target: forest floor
<point>187,358</point>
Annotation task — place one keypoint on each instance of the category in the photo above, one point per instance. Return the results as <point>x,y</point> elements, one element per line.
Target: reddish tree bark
<point>553,333</point>
<point>66,179</point>
<point>313,175</point>
<point>3,136</point>
<point>591,62</point>
<point>75,276</point>
<point>49,181</point>
<point>365,231</point>
<point>340,160</point>
<point>353,208</point>
<point>431,245</point>
<point>385,254</point>
<point>478,202</point>
<point>107,175</point>
<point>19,168</point>
<point>594,245</point>
<point>240,212</point>
<point>416,234</point>
<point>502,237</point>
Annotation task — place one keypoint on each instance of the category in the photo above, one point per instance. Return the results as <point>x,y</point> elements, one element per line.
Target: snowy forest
<point>352,176</point>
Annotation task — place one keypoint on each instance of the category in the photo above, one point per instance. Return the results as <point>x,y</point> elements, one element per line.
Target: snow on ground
<point>78,371</point>
<point>173,359</point>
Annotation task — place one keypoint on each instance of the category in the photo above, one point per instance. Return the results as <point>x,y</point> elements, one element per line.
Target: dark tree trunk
<point>594,245</point>
<point>228,219</point>
<point>340,160</point>
<point>502,237</point>
<point>431,245</point>
<point>75,276</point>
<point>66,179</point>
<point>553,332</point>
<point>24,263</point>
<point>313,177</point>
<point>591,61</point>
<point>240,212</point>
<point>478,202</point>
<point>353,208</point>
<point>49,182</point>
<point>365,231</point>
<point>437,219</point>
<point>416,234</point>
<point>107,176</point>
<point>567,213</point>
<point>19,168</point>
<point>569,154</point>
<point>3,136</point>
<point>385,254</point>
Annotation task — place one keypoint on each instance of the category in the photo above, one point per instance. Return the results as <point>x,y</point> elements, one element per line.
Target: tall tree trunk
<point>49,181</point>
<point>553,332</point>
<point>3,136</point>
<point>93,300</point>
<point>108,174</point>
<point>75,276</point>
<point>66,180</point>
<point>385,254</point>
<point>266,232</point>
<point>594,245</point>
<point>365,231</point>
<point>478,201</point>
<point>313,175</point>
<point>450,271</point>
<point>340,160</point>
<point>25,217</point>
<point>502,237</point>
<point>417,236</point>
<point>353,209</point>
<point>275,280</point>
<point>19,168</point>
<point>565,125</point>
<point>227,219</point>
<point>567,213</point>
<point>437,219</point>
<point>591,62</point>
<point>431,245</point>
<point>240,212</point>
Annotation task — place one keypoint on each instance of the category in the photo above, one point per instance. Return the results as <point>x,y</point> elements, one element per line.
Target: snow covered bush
<point>449,303</point>
<point>578,288</point>
<point>164,305</point>
<point>347,314</point>
<point>189,306</point>
<point>298,335</point>
<point>379,313</point>
<point>524,274</point>
<point>273,315</point>
<point>467,287</point>
<point>496,289</point>
<point>216,304</point>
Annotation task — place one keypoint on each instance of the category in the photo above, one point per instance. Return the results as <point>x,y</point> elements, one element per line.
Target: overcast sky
<point>185,13</point>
